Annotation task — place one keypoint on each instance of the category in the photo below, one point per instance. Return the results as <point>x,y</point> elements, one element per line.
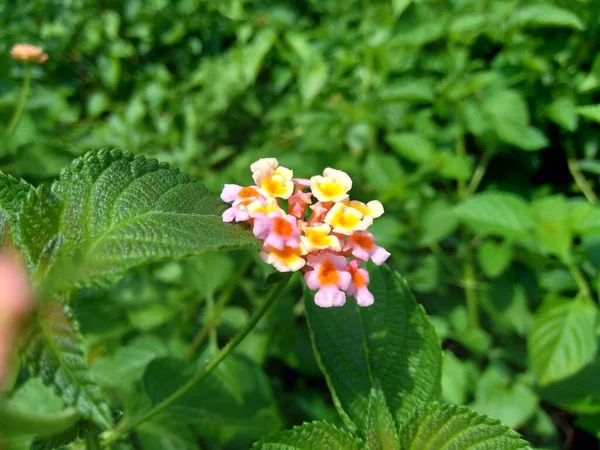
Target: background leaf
<point>497,213</point>
<point>563,339</point>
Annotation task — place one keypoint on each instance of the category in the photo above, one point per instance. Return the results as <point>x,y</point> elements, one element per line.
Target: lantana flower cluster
<point>310,225</point>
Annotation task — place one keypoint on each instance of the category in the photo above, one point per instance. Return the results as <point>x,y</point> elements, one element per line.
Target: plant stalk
<point>92,442</point>
<point>479,173</point>
<point>580,180</point>
<point>582,284</point>
<point>471,293</point>
<point>22,99</point>
<point>225,351</point>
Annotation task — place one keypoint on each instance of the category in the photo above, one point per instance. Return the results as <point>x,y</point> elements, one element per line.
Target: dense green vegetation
<point>475,123</point>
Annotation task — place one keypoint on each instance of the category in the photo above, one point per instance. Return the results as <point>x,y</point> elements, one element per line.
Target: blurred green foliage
<point>475,122</point>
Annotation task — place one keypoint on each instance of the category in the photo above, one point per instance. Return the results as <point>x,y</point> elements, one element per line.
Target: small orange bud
<point>28,53</point>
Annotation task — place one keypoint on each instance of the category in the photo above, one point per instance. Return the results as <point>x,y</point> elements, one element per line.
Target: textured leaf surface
<point>53,351</point>
<point>37,229</point>
<point>390,343</point>
<point>450,427</point>
<point>381,428</point>
<point>315,435</point>
<point>120,211</point>
<point>13,193</point>
<point>496,213</point>
<point>563,339</point>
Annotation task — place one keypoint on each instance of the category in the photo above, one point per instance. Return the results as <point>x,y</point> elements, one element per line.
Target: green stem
<point>479,173</point>
<point>584,287</point>
<point>581,182</point>
<point>92,442</point>
<point>219,357</point>
<point>470,285</point>
<point>22,99</point>
<point>461,150</point>
<point>212,318</point>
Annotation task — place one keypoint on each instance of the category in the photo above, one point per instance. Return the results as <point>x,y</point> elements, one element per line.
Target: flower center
<point>363,241</point>
<point>328,273</point>
<point>317,238</point>
<point>282,227</point>
<point>248,192</point>
<point>331,189</point>
<point>287,254</point>
<point>357,279</point>
<point>345,219</point>
<point>274,186</point>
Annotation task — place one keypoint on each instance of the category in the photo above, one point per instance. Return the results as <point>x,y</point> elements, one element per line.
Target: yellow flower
<point>346,220</point>
<point>272,179</point>
<point>318,238</point>
<point>286,260</point>
<point>372,209</point>
<point>28,53</point>
<point>333,186</point>
<point>264,206</point>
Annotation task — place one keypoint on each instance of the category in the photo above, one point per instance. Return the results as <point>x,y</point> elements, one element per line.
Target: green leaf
<point>33,411</point>
<point>419,90</point>
<point>563,111</point>
<point>119,211</point>
<point>494,258</point>
<point>385,174</point>
<point>235,399</point>
<point>451,427</point>
<point>437,222</point>
<point>315,435</point>
<point>457,378</point>
<point>162,433</point>
<point>578,393</point>
<point>592,80</point>
<point>390,343</point>
<point>399,6</point>
<point>584,219</point>
<point>591,112</point>
<point>412,146</point>
<point>545,15</point>
<point>381,428</point>
<point>53,351</point>
<point>508,113</point>
<point>128,363</point>
<point>563,339</point>
<point>312,78</point>
<point>496,213</point>
<point>13,194</point>
<point>552,228</point>
<point>500,396</point>
<point>37,229</point>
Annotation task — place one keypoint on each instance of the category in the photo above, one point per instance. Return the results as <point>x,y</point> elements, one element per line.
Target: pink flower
<point>319,211</point>
<point>329,277</point>
<point>276,230</point>
<point>297,203</point>
<point>358,285</point>
<point>15,304</point>
<point>241,198</point>
<point>363,247</point>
